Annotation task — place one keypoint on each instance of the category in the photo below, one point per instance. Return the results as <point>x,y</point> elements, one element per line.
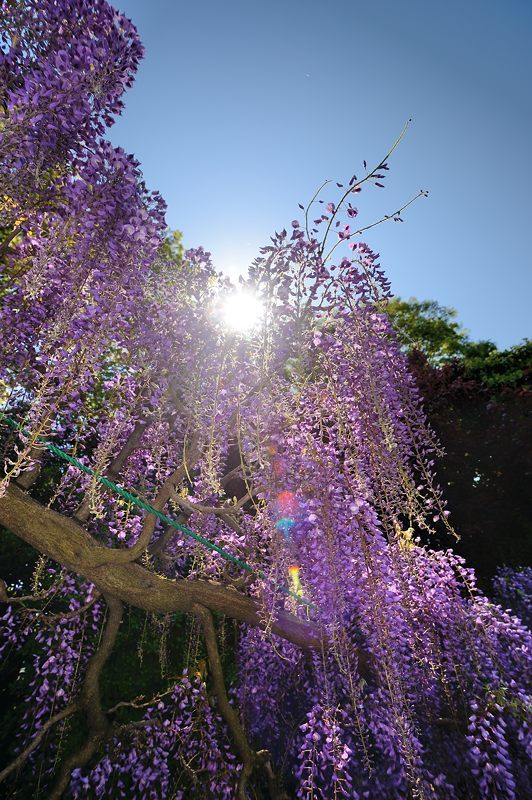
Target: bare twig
<point>51,619</point>
<point>35,742</point>
<point>136,702</point>
<point>14,600</point>
<point>385,218</point>
<point>27,598</point>
<point>359,183</point>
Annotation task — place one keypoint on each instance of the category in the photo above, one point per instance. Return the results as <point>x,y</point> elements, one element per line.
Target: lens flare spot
<point>285,525</point>
<point>287,503</point>
<point>293,572</point>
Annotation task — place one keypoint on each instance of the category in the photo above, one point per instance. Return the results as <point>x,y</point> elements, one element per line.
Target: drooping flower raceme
<point>299,447</point>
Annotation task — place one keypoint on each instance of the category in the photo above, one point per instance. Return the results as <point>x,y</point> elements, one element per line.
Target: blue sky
<point>242,108</point>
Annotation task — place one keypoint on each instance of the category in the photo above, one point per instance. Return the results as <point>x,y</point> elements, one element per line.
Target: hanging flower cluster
<point>300,448</point>
<point>174,751</point>
<point>513,587</point>
<point>83,228</point>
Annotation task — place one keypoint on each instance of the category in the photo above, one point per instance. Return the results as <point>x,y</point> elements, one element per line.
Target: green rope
<point>138,501</point>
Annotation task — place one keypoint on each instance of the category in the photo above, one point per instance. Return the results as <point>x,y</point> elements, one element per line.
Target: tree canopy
<point>432,329</point>
<point>427,326</point>
<point>262,495</point>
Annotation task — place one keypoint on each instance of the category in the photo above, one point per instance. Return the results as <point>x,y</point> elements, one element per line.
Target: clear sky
<point>242,108</point>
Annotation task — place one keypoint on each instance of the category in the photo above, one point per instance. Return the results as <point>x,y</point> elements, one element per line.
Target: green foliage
<point>427,326</point>
<point>432,329</point>
<point>172,248</point>
<point>478,400</point>
<point>499,369</point>
<point>486,476</point>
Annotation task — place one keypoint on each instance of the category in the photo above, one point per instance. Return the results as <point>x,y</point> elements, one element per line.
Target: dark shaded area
<point>482,413</point>
<point>150,651</point>
<point>479,402</point>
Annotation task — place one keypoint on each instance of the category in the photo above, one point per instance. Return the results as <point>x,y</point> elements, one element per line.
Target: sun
<point>242,311</point>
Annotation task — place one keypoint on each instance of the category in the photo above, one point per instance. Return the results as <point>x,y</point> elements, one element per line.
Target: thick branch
<point>4,247</point>
<point>78,759</point>
<point>89,700</point>
<point>216,671</point>
<point>67,543</point>
<point>158,547</point>
<point>91,687</point>
<point>249,757</point>
<point>132,443</point>
<point>27,478</point>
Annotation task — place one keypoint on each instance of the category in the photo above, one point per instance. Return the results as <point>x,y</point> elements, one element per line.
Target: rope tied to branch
<point>140,503</point>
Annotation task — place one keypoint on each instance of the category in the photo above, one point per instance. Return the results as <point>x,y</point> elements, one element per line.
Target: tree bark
<point>66,542</point>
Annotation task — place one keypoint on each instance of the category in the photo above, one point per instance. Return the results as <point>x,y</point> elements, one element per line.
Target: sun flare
<point>242,312</point>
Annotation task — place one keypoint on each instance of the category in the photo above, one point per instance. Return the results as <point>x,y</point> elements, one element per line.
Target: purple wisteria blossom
<point>360,662</point>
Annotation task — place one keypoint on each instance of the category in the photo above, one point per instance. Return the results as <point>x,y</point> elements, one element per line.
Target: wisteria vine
<point>300,448</point>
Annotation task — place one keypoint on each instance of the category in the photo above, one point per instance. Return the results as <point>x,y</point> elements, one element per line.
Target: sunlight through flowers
<point>242,312</point>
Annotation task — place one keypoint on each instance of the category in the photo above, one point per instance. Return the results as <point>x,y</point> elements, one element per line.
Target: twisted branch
<point>99,729</point>
<point>249,757</point>
<point>109,556</point>
<point>66,542</point>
